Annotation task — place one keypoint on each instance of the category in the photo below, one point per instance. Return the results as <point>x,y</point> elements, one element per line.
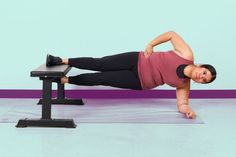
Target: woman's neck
<point>188,70</point>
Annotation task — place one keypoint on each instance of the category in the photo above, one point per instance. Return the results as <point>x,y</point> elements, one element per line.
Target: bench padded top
<point>54,71</point>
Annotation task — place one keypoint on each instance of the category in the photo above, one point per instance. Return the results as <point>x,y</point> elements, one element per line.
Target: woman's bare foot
<point>64,80</point>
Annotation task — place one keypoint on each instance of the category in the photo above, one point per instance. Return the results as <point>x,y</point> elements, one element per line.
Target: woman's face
<point>201,75</point>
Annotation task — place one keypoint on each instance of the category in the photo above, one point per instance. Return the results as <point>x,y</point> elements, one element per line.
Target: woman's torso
<point>160,68</point>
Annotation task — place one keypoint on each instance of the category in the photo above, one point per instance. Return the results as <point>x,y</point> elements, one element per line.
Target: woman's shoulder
<point>182,55</point>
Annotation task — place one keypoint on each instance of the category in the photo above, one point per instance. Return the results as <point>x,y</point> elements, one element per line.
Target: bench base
<point>62,123</point>
<point>65,101</point>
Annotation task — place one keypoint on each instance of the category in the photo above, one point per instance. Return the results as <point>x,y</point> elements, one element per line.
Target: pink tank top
<point>160,68</point>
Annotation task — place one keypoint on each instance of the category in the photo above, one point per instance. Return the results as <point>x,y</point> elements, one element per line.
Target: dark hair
<point>212,70</point>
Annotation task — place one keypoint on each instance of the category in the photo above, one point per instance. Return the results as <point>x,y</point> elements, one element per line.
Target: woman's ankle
<point>65,61</point>
<point>64,80</point>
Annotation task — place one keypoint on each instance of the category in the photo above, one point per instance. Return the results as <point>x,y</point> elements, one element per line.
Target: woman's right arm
<point>178,43</point>
<point>161,39</point>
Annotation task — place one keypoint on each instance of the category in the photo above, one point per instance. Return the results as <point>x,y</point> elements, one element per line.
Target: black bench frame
<point>48,77</point>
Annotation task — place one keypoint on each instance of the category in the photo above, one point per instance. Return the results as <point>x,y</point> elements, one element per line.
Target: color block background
<point>29,29</point>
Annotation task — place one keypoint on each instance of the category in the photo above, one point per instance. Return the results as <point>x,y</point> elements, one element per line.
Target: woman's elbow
<point>172,33</point>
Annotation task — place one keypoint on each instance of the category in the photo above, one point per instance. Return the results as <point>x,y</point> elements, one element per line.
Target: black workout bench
<point>49,75</point>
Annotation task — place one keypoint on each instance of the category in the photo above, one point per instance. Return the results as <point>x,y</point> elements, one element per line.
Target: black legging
<point>116,70</point>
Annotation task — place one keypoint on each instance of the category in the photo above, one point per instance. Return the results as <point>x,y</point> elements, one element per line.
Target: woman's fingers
<point>191,114</point>
<point>188,114</point>
<point>148,51</point>
<point>146,55</point>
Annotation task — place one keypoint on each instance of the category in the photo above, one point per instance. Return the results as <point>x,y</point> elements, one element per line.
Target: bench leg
<point>60,91</point>
<point>46,120</point>
<point>46,101</point>
<point>61,100</point>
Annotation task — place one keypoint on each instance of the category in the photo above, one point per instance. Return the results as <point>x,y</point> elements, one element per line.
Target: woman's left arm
<point>182,94</point>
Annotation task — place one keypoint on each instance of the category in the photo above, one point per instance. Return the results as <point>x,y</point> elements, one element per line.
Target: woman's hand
<point>185,109</point>
<point>148,51</point>
<point>190,115</point>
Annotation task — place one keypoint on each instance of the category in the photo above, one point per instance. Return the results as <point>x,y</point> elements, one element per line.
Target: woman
<point>144,70</point>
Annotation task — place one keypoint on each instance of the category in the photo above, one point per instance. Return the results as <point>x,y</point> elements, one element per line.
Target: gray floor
<point>214,137</point>
<point>100,111</point>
